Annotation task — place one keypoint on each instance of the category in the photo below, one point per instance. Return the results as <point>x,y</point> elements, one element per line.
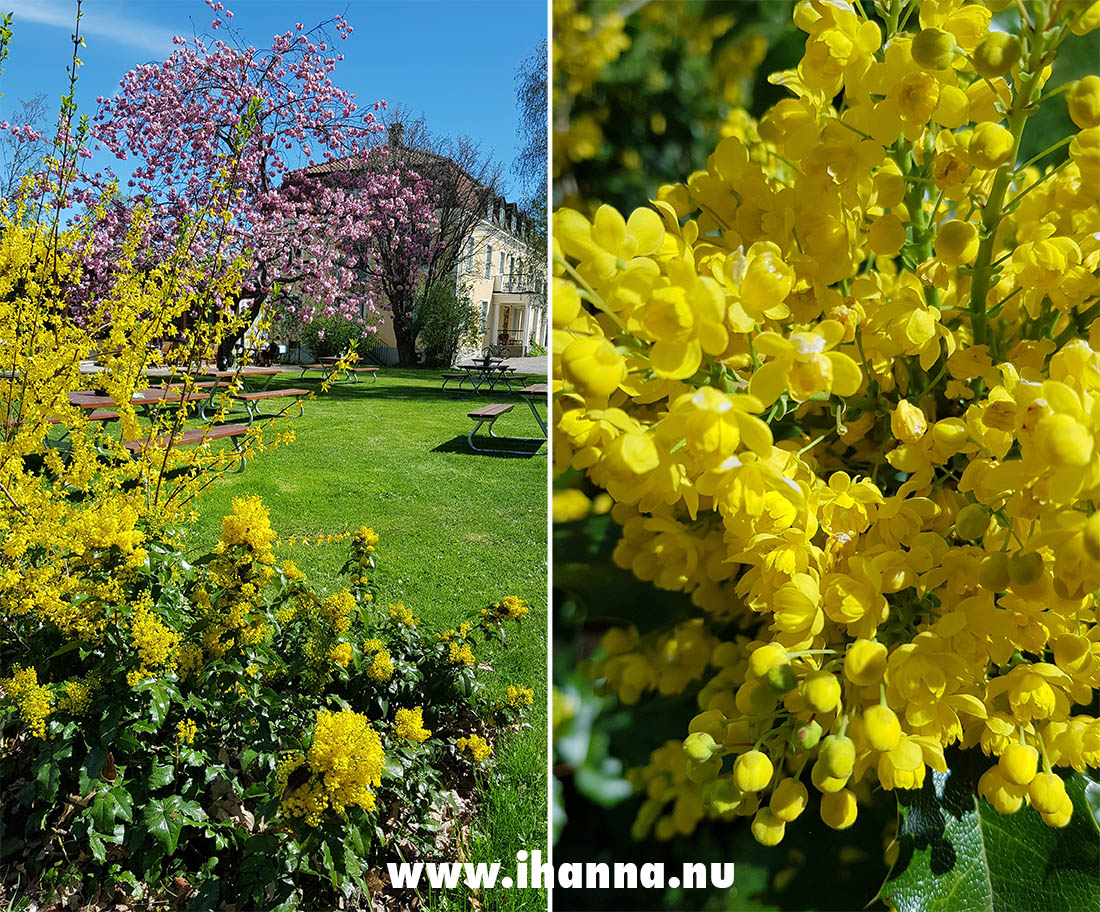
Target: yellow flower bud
<point>788,799</point>
<point>712,721</point>
<point>766,657</point>
<point>806,737</point>
<point>755,698</point>
<point>1025,567</point>
<point>700,746</point>
<point>990,145</point>
<point>1047,792</point>
<point>781,679</point>
<point>837,756</point>
<point>882,727</point>
<point>1005,796</point>
<point>1061,816</point>
<point>933,49</point>
<point>886,235</point>
<point>593,366</point>
<point>752,771</point>
<point>865,662</point>
<point>996,54</point>
<point>972,521</point>
<point>767,280</point>
<point>1083,101</point>
<point>1019,764</point>
<point>823,782</point>
<point>908,422</point>
<point>839,810</point>
<point>721,796</point>
<point>1086,21</point>
<point>767,829</point>
<point>821,691</point>
<point>956,242</point>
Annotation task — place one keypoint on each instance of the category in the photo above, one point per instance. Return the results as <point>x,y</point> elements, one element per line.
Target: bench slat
<point>271,394</point>
<point>490,411</point>
<point>193,435</point>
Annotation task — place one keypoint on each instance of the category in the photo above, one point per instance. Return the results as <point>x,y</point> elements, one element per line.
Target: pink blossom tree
<point>224,126</point>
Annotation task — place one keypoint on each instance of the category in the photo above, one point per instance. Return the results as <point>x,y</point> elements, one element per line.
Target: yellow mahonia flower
<point>476,746</point>
<point>409,724</point>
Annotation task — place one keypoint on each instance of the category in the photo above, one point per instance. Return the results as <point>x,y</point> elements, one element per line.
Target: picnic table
<point>482,372</point>
<point>253,392</point>
<point>143,399</point>
<point>330,366</point>
<point>532,395</point>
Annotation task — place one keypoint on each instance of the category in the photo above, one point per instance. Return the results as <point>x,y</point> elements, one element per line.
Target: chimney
<point>396,135</point>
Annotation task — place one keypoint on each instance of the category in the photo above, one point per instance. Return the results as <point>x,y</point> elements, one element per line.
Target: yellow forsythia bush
<point>843,386</point>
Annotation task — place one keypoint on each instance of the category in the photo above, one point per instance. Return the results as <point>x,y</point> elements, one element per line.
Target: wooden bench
<point>490,414</point>
<point>454,376</point>
<point>250,401</point>
<point>196,435</point>
<point>329,370</point>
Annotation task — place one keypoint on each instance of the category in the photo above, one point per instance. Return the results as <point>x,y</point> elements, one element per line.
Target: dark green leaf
<point>158,707</point>
<point>95,843</point>
<point>330,868</point>
<point>160,775</point>
<point>958,854</point>
<point>164,820</point>
<point>108,807</point>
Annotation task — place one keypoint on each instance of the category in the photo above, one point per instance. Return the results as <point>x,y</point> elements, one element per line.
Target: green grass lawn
<point>458,530</point>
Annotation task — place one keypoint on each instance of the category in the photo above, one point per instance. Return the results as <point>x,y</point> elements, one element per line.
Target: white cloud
<point>96,21</point>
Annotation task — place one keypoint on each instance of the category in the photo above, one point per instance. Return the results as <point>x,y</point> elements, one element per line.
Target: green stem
<point>991,215</point>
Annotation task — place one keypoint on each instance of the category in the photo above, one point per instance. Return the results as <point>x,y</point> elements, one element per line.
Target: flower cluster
<point>476,746</point>
<point>409,724</point>
<point>34,700</point>
<point>843,386</point>
<point>519,697</point>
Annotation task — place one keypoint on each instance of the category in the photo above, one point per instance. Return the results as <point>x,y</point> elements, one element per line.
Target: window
<point>470,256</point>
<point>502,262</point>
<point>511,268</point>
<point>488,261</point>
<point>484,316</point>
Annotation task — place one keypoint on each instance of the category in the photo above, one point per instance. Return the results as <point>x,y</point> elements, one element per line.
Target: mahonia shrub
<point>842,385</point>
<point>229,731</point>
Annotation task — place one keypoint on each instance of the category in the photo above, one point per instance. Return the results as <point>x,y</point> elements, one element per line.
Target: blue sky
<point>452,60</point>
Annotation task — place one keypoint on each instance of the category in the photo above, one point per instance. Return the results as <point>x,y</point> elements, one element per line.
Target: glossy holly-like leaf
<point>957,854</point>
<point>164,819</point>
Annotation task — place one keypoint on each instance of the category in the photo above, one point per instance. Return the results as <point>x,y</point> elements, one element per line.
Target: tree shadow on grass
<point>461,445</point>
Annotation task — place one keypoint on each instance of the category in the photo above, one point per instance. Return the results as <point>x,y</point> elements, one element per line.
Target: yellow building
<point>500,263</point>
<point>502,275</point>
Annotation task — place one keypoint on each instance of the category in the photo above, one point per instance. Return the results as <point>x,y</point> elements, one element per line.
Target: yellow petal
<point>609,230</point>
<point>847,377</point>
<point>648,232</point>
<point>769,381</point>
<point>676,360</point>
<point>755,434</point>
<point>573,232</point>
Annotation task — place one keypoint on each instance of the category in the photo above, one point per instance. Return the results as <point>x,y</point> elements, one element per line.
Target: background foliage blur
<point>642,94</point>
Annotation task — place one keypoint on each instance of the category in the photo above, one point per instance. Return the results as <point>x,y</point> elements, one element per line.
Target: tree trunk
<point>405,331</point>
<point>406,351</point>
<point>225,354</point>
